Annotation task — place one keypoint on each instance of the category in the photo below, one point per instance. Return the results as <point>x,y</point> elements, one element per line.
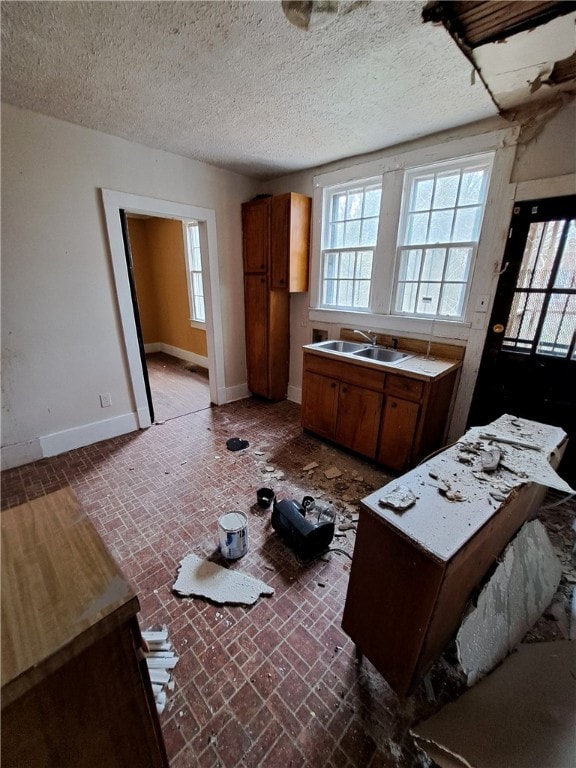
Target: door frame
<point>114,202</point>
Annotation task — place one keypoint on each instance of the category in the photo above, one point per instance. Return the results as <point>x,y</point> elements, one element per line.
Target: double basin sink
<point>367,352</point>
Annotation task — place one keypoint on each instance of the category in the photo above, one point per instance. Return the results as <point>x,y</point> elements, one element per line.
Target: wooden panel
<point>256,234</point>
<point>90,713</point>
<point>320,404</point>
<point>299,243</point>
<point>344,371</point>
<point>392,589</point>
<point>359,419</point>
<point>437,402</point>
<point>280,215</point>
<point>410,389</point>
<point>399,421</point>
<point>278,344</point>
<point>256,309</point>
<point>58,582</point>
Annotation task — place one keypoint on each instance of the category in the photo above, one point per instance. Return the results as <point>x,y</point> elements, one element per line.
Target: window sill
<point>394,323</point>
<point>198,324</point>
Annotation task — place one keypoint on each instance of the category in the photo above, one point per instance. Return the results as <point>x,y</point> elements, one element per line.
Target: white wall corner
<point>21,453</point>
<point>78,437</point>
<point>294,394</point>
<point>238,392</point>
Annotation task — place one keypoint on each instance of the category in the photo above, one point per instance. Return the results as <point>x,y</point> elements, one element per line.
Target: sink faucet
<point>370,335</point>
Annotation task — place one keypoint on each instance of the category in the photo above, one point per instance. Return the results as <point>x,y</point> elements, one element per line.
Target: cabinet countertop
<point>415,367</point>
<point>61,589</point>
<point>442,527</point>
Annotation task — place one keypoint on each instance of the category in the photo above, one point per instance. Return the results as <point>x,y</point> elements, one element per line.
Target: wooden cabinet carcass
<point>276,238</point>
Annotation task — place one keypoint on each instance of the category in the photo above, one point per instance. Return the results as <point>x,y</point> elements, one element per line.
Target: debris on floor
<point>516,595</point>
<point>236,444</point>
<point>203,578</point>
<point>520,715</point>
<point>160,660</point>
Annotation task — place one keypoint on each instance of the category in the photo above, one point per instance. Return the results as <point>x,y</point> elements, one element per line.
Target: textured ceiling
<point>235,84</point>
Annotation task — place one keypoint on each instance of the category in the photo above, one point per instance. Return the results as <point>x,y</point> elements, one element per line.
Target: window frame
<point>410,175</point>
<point>392,166</point>
<point>190,271</point>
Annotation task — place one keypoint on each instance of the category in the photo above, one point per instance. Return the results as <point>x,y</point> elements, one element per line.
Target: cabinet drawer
<point>411,389</point>
<point>346,372</point>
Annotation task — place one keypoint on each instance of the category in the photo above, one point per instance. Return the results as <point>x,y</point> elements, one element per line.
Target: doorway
<point>116,202</point>
<point>528,365</point>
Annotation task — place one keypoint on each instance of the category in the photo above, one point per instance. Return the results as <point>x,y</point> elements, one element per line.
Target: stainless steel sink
<point>340,346</point>
<point>381,354</point>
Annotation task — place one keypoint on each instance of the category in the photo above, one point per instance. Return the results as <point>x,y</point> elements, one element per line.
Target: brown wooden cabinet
<point>276,237</point>
<point>393,418</point>
<point>75,686</point>
<point>413,572</point>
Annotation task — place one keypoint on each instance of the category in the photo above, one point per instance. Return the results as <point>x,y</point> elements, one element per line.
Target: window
<point>194,261</point>
<point>542,318</point>
<point>440,221</point>
<point>351,215</point>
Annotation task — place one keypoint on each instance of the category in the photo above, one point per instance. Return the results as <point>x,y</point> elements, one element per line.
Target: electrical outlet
<point>105,400</point>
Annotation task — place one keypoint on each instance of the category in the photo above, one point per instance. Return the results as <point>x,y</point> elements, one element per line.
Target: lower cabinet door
<point>320,404</point>
<point>397,433</point>
<point>359,419</point>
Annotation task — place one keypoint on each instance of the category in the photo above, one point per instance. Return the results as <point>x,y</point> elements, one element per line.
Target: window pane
<point>331,265</point>
<point>452,300</point>
<point>329,296</point>
<point>428,295</point>
<point>458,263</point>
<point>345,288</point>
<point>467,225</point>
<point>338,207</point>
<point>440,226</point>
<point>446,190</point>
<point>410,264</point>
<point>354,205</point>
<point>197,284</point>
<point>471,188</point>
<point>559,326</point>
<point>199,307</point>
<point>364,265</point>
<point>336,235</point>
<point>417,228</point>
<point>352,233</point>
<point>406,298</point>
<point>362,294</point>
<point>433,266</point>
<point>196,263</point>
<point>566,274</point>
<point>422,195</point>
<point>346,265</point>
<point>372,202</point>
<point>369,232</point>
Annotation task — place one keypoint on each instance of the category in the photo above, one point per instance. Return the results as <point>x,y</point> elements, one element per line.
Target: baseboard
<point>294,394</point>
<point>239,392</point>
<point>21,453</point>
<point>181,354</point>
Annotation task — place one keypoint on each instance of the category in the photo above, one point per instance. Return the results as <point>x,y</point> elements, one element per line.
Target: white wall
<point>61,338</point>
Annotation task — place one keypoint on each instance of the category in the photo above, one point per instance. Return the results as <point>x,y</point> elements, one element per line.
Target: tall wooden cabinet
<point>276,237</point>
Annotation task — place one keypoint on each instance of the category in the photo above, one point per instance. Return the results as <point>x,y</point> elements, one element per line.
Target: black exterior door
<point>528,366</point>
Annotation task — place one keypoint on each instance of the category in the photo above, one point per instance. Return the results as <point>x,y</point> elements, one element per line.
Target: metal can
<point>233,535</point>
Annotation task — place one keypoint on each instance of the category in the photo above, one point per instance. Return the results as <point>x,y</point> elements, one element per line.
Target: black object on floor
<point>236,444</point>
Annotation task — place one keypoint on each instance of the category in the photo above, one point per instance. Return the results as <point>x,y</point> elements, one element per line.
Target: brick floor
<point>274,684</point>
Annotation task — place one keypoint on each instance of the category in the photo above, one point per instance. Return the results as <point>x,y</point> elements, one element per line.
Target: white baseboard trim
<point>21,453</point>
<point>294,394</point>
<point>239,392</point>
<point>181,354</point>
<point>87,434</point>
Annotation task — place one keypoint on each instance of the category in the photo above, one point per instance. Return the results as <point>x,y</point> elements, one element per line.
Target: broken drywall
<point>521,715</point>
<point>202,578</point>
<point>515,597</point>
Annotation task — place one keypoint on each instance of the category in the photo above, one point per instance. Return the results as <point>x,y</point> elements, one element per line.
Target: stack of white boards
<point>161,660</point>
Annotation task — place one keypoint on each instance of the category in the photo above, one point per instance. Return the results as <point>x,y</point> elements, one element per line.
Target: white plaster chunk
<point>202,578</point>
<point>519,591</point>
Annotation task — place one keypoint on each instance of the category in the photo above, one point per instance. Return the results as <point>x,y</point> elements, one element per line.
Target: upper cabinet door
<point>290,242</point>
<point>256,234</point>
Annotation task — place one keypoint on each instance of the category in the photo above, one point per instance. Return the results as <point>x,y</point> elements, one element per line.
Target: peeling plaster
<point>515,597</point>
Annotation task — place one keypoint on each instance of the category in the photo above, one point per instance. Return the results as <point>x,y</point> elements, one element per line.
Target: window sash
<point>195,284</point>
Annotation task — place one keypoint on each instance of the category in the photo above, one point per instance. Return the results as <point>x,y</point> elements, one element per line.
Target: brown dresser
<point>75,687</point>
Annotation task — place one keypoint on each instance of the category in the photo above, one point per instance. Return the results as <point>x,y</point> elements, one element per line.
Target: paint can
<point>233,535</point>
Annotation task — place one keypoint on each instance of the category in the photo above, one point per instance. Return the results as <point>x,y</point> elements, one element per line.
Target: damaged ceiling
<point>523,51</point>
<point>266,88</point>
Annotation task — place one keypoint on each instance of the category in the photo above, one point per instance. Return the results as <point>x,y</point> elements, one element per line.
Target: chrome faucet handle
<point>370,336</point>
